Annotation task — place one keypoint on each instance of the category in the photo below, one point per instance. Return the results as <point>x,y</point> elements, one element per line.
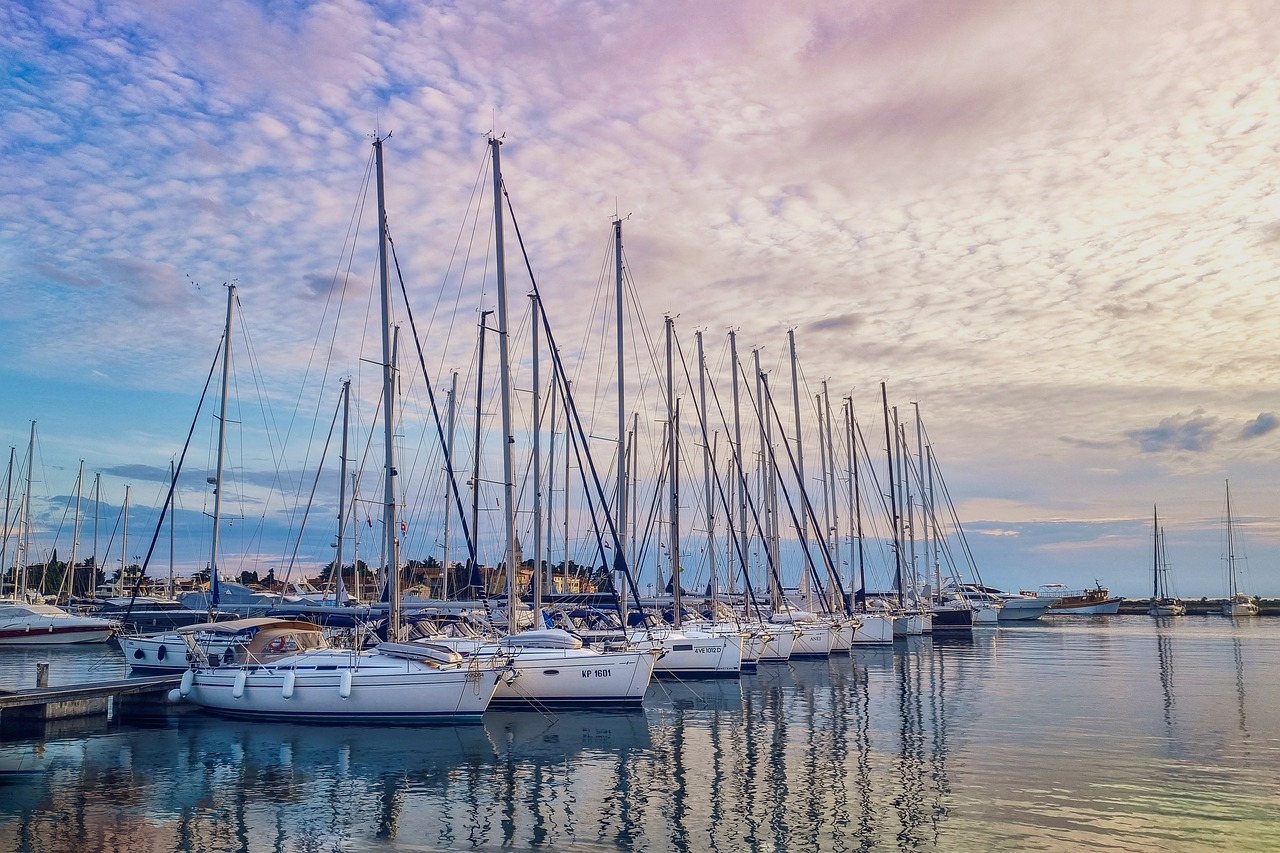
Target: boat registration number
<point>595,673</point>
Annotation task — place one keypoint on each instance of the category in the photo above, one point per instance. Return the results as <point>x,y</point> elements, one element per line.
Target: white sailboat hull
<point>875,629</point>
<point>335,686</point>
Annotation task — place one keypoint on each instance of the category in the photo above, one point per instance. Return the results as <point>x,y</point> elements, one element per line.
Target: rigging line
<point>715,477</point>
<point>735,463</point>
<point>350,239</point>
<point>435,410</point>
<point>571,413</point>
<point>302,525</point>
<point>173,483</point>
<point>476,187</point>
<point>806,507</point>
<point>280,477</point>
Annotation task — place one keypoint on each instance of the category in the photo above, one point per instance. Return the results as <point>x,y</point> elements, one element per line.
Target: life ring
<point>276,645</point>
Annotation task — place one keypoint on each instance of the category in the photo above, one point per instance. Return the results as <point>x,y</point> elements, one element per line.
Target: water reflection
<point>1164,654</point>
<point>928,744</point>
<point>817,755</point>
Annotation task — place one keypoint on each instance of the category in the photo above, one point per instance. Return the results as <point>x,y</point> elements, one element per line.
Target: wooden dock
<point>136,696</point>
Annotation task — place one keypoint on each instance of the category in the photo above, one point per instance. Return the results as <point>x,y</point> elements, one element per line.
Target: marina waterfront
<point>1100,733</point>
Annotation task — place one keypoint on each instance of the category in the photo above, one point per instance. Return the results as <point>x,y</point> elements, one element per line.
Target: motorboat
<point>25,623</point>
<point>1013,606</point>
<point>1085,602</point>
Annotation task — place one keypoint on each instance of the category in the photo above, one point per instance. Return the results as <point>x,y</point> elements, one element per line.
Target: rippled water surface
<point>1104,733</point>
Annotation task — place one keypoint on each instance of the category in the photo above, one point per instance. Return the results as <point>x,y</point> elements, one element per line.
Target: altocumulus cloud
<point>1195,432</point>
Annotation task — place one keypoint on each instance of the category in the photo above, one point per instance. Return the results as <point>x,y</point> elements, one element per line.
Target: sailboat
<point>288,671</point>
<point>546,667</point>
<point>25,619</point>
<point>1162,603</point>
<point>1236,603</point>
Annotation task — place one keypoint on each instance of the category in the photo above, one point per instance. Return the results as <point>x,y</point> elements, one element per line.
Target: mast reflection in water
<point>1050,738</point>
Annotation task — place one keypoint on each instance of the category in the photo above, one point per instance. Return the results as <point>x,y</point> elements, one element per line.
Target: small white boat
<point>29,624</point>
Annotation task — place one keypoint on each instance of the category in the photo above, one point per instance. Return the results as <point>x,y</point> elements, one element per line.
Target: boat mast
<point>740,481</point>
<point>1155,554</point>
<point>124,544</point>
<point>707,463</point>
<point>474,568</point>
<point>622,394</point>
<point>893,500</point>
<point>806,589</point>
<point>926,507</point>
<point>1230,546</point>
<point>338,590</point>
<point>388,416</point>
<point>75,536</point>
<point>504,369</point>
<point>448,469</point>
<point>214,591</point>
<point>97,501</point>
<point>8,502</point>
<point>831,510</point>
<point>673,474</point>
<point>24,541</point>
<point>173,483</point>
<point>537,465</point>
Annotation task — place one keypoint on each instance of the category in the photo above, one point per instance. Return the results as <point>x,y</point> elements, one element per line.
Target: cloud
<point>1261,425</point>
<point>1195,432</point>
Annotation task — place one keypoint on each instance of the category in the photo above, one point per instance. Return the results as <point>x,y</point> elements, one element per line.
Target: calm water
<point>1103,733</point>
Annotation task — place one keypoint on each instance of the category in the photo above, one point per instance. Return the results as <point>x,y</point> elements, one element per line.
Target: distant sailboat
<point>1162,603</point>
<point>1237,603</point>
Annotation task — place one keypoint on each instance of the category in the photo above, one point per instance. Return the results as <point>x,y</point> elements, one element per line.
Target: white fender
<point>184,687</point>
<point>289,678</point>
<point>175,696</point>
<point>237,689</point>
<point>344,686</point>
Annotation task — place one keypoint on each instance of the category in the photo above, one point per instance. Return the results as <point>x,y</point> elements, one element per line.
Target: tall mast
<point>475,462</point>
<point>926,506</point>
<point>97,501</point>
<point>889,439</point>
<point>706,475</point>
<point>339,592</point>
<point>537,465</point>
<point>1155,553</point>
<point>806,591</point>
<point>741,480</point>
<point>673,474</point>
<point>391,539</point>
<point>855,504</point>
<point>24,532</point>
<point>504,369</point>
<point>448,468</point>
<point>551,482</point>
<point>173,484</point>
<point>214,591</point>
<point>75,536</point>
<point>124,543</point>
<point>8,502</point>
<point>622,386</point>
<point>829,482</point>
<point>1230,544</point>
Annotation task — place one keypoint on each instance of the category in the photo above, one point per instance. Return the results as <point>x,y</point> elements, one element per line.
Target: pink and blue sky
<point>1054,225</point>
